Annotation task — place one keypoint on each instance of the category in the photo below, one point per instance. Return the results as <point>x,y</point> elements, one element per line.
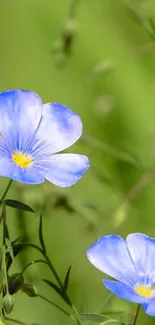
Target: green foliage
<point>107,75</point>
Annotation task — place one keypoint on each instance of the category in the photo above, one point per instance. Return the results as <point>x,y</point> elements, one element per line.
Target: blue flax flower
<point>31,135</point>
<point>131,263</point>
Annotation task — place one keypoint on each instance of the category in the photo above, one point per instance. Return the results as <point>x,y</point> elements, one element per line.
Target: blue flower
<point>31,135</point>
<point>131,263</point>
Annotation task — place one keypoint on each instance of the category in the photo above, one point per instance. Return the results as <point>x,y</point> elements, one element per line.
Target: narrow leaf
<point>114,312</point>
<point>17,248</point>
<point>10,249</point>
<point>112,321</point>
<point>96,318</point>
<point>66,281</point>
<point>56,289</point>
<point>18,205</point>
<point>15,241</point>
<point>41,234</point>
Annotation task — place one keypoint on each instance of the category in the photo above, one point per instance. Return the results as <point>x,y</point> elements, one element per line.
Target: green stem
<point>33,262</point>
<point>72,8</point>
<point>136,316</point>
<point>53,269</point>
<point>13,320</point>
<point>6,191</point>
<point>4,268</point>
<point>55,305</point>
<point>78,320</point>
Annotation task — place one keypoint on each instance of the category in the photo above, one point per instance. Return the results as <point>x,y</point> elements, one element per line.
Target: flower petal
<point>150,308</point>
<point>25,175</point>
<point>142,251</point>
<point>64,169</point>
<point>123,291</point>
<point>59,128</point>
<point>20,114</point>
<point>110,255</point>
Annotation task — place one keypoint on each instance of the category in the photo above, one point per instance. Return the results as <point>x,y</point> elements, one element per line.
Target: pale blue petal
<point>123,291</point>
<point>64,169</point>
<point>58,130</point>
<point>20,114</point>
<point>142,251</point>
<point>150,308</point>
<point>8,169</point>
<point>110,255</point>
<point>27,175</point>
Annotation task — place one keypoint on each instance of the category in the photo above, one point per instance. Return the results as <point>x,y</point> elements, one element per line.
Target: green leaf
<point>114,312</point>
<point>56,289</point>
<point>96,318</point>
<point>66,281</point>
<point>152,25</point>
<point>17,248</point>
<point>15,241</point>
<point>10,249</point>
<point>112,321</point>
<point>41,234</point>
<point>18,205</point>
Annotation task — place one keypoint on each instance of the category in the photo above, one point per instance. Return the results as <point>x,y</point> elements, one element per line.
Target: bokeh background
<point>97,57</point>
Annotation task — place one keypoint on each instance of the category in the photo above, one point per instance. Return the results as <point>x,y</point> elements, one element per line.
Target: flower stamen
<point>144,291</point>
<point>22,159</point>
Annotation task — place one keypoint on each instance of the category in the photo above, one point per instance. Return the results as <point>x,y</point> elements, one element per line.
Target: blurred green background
<point>108,78</point>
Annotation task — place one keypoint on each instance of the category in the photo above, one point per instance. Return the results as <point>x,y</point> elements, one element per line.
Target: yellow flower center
<point>22,159</point>
<point>144,291</point>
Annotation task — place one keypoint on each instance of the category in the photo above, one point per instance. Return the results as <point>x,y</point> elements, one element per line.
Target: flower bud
<point>8,303</point>
<point>70,28</point>
<point>15,282</point>
<point>30,290</point>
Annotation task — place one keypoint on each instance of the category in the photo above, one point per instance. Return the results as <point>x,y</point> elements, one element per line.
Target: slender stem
<point>4,268</point>
<point>101,309</point>
<point>78,320</point>
<point>53,270</point>
<point>33,262</point>
<point>13,320</point>
<point>76,317</point>
<point>6,190</point>
<point>143,181</point>
<point>55,305</point>
<point>136,316</point>
<point>72,8</point>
